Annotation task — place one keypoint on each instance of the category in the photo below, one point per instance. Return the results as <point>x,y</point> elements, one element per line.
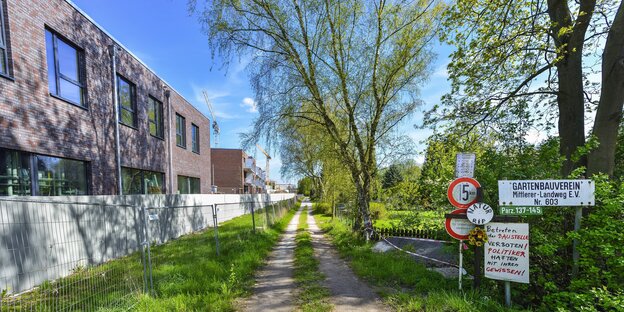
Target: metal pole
<point>143,244</point>
<point>508,293</point>
<point>149,253</point>
<point>253,216</point>
<point>216,226</point>
<point>461,263</point>
<point>116,110</point>
<point>575,252</point>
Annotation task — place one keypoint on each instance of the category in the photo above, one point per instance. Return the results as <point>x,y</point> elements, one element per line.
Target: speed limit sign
<point>462,192</point>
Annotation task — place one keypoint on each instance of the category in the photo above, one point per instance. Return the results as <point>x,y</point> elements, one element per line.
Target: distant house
<point>236,173</point>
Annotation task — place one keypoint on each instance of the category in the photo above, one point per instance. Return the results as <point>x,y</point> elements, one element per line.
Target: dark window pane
<point>183,187</point>
<point>154,115</point>
<point>131,181</point>
<point>195,138</point>
<point>70,91</point>
<point>59,176</point>
<point>3,63</point>
<point>127,117</point>
<point>153,182</point>
<point>180,131</point>
<point>127,102</point>
<point>14,173</point>
<point>51,64</point>
<point>195,187</point>
<point>68,60</point>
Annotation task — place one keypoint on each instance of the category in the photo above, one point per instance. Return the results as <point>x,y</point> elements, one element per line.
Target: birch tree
<point>355,64</point>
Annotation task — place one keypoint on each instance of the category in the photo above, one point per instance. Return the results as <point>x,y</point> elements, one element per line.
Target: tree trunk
<point>570,100</point>
<point>609,113</point>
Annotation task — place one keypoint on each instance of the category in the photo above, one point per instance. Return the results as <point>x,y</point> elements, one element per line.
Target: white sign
<point>462,192</point>
<point>507,252</point>
<point>458,228</point>
<point>480,213</point>
<point>546,193</point>
<point>464,165</point>
<point>152,216</point>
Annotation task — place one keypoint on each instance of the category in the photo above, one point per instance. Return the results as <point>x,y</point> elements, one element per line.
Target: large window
<point>60,176</point>
<point>180,131</point>
<point>136,181</point>
<point>155,116</point>
<point>15,173</point>
<point>188,185</point>
<point>195,138</point>
<point>24,174</point>
<point>4,57</point>
<point>65,69</point>
<point>126,96</point>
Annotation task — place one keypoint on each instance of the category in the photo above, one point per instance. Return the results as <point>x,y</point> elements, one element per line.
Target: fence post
<point>216,225</point>
<point>253,216</point>
<point>149,252</point>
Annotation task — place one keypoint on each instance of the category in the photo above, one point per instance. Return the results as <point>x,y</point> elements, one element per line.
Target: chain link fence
<point>57,256</point>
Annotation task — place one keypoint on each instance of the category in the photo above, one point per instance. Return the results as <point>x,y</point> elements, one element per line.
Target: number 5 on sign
<point>462,192</point>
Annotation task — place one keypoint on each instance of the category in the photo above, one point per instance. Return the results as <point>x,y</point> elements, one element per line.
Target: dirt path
<point>348,292</point>
<point>275,286</point>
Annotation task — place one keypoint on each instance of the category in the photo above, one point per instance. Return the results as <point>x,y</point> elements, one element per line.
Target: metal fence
<point>57,256</point>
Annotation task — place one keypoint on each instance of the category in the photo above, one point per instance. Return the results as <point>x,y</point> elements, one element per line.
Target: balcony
<point>250,165</point>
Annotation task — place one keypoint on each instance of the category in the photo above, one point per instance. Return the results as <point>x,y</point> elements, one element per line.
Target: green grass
<point>403,283</point>
<point>187,274</point>
<point>312,296</point>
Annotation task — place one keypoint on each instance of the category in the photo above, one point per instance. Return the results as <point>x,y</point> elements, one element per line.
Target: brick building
<point>235,172</point>
<point>81,115</point>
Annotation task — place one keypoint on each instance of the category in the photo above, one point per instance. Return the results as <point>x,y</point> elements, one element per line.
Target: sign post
<point>554,193</point>
<point>461,262</point>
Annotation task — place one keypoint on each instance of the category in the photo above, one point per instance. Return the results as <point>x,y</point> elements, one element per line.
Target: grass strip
<point>312,296</point>
<point>403,283</point>
<point>187,274</point>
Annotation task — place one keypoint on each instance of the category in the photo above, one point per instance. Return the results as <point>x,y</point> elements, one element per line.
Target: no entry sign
<point>458,228</point>
<point>462,192</point>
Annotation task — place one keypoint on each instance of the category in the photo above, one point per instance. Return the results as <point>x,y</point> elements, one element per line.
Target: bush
<point>378,211</point>
<point>324,208</point>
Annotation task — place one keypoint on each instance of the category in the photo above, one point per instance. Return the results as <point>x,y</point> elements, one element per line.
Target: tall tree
<point>356,65</point>
<point>522,62</point>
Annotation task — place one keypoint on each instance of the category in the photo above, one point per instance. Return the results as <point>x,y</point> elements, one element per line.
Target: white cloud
<point>441,71</point>
<point>250,104</point>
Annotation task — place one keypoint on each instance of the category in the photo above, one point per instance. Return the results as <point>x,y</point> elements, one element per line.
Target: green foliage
<point>378,210</point>
<point>304,186</point>
<point>618,173</point>
<point>325,208</point>
<point>407,285</point>
<point>391,177</point>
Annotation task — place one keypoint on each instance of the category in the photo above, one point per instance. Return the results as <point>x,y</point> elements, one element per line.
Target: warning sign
<point>507,252</point>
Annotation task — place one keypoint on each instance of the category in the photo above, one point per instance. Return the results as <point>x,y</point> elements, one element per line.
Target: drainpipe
<point>167,96</point>
<point>116,108</point>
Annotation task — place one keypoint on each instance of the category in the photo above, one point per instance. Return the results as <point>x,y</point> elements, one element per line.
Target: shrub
<point>378,211</point>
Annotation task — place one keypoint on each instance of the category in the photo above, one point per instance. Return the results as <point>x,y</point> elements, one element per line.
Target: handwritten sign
<point>507,252</point>
<point>464,165</point>
<point>546,193</point>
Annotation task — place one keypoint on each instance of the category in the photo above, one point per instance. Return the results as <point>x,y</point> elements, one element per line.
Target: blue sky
<point>163,35</point>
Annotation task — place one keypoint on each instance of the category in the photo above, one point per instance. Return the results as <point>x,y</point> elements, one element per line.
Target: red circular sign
<point>462,192</point>
<point>458,228</point>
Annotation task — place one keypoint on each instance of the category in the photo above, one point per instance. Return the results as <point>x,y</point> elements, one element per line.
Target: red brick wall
<point>228,170</point>
<point>32,120</point>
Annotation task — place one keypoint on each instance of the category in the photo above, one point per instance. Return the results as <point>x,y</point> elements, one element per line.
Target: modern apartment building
<point>235,172</point>
<point>81,115</point>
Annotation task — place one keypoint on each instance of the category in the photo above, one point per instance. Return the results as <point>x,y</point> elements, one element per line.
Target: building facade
<point>81,115</point>
<point>235,172</point>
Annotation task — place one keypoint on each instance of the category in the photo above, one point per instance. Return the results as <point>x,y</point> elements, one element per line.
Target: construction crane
<point>215,125</point>
<point>268,157</point>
